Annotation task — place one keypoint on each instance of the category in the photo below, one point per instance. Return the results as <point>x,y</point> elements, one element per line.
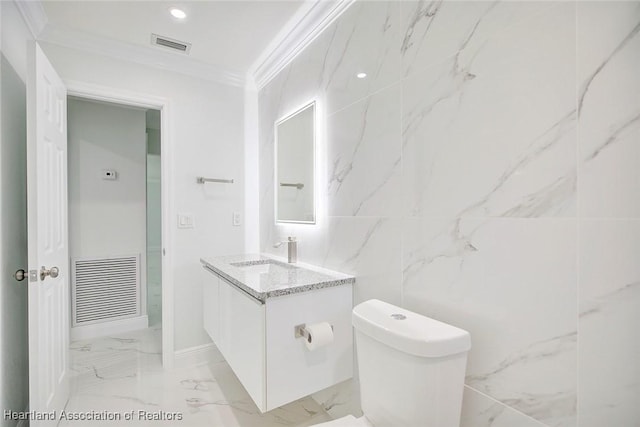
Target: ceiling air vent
<point>168,43</point>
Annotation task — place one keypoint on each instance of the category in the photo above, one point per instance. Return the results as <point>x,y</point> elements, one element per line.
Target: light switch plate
<point>186,221</point>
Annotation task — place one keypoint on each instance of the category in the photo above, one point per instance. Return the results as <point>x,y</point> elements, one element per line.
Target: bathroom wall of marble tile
<point>484,173</point>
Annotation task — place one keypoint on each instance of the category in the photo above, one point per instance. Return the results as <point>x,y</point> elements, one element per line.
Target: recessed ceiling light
<point>361,75</point>
<point>177,13</point>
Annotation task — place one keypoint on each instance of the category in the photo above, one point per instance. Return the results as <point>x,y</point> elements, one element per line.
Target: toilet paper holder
<point>301,331</point>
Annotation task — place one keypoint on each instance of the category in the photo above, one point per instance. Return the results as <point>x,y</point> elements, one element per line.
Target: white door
<point>48,242</point>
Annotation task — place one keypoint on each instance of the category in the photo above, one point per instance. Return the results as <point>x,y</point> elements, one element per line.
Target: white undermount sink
<point>263,266</point>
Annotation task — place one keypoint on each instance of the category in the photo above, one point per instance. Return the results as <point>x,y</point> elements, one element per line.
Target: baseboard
<point>196,355</point>
<point>109,328</point>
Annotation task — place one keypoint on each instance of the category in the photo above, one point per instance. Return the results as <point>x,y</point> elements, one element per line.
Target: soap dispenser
<point>292,250</point>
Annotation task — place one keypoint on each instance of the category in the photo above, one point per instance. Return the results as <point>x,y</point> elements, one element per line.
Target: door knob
<point>20,275</point>
<point>53,272</point>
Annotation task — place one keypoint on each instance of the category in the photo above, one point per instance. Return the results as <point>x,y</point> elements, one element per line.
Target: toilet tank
<point>411,367</point>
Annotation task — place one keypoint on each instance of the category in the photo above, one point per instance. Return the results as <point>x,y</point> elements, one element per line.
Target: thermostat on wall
<point>109,174</point>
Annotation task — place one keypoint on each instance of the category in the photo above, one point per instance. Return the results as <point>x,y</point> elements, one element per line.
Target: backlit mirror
<point>295,166</point>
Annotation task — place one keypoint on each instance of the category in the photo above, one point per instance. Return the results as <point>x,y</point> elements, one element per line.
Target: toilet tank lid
<point>409,332</point>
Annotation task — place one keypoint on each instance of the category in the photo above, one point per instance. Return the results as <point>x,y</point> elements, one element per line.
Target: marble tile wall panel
<point>479,410</point>
<point>608,65</point>
<point>491,131</point>
<point>366,39</point>
<point>363,157</point>
<point>608,59</point>
<point>609,306</point>
<point>435,30</point>
<point>512,284</point>
<point>370,249</point>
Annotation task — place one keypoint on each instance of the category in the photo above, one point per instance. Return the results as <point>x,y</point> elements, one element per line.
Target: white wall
<point>106,218</point>
<point>14,358</point>
<point>206,130</point>
<point>251,171</point>
<point>464,183</point>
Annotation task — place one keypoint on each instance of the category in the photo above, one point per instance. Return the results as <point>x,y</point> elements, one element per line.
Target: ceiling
<point>230,35</point>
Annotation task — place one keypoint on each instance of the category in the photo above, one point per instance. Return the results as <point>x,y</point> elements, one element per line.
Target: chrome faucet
<point>292,249</point>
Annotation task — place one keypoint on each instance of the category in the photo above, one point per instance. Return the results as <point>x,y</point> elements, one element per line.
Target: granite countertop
<point>266,276</point>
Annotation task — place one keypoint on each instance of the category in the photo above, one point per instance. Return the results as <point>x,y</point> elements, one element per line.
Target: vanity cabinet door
<point>211,305</point>
<point>292,370</point>
<point>242,342</point>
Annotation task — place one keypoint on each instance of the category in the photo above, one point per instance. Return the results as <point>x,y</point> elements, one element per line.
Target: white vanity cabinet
<point>257,339</point>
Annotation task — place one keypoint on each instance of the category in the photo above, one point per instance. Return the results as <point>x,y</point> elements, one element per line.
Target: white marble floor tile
<point>122,376</point>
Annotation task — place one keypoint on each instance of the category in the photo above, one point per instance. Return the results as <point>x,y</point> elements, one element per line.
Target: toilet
<point>411,369</point>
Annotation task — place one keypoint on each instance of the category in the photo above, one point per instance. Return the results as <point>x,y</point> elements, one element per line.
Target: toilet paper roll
<point>320,334</point>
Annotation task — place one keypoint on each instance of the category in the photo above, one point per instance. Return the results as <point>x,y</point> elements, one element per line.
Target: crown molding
<point>299,32</point>
<point>144,55</point>
<point>33,14</point>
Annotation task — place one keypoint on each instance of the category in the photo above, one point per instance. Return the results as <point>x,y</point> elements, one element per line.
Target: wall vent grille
<point>105,289</point>
<point>169,43</point>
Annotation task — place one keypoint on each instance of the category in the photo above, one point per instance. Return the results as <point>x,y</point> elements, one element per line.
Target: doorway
<point>115,221</point>
<point>90,91</point>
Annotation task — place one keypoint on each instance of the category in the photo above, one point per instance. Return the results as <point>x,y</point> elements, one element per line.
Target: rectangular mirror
<point>295,166</point>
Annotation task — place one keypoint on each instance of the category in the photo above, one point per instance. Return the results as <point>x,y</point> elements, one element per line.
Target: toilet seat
<point>348,421</point>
